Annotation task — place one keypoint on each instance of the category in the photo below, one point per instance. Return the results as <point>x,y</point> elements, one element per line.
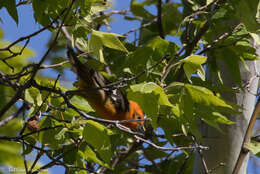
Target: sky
<point>38,43</point>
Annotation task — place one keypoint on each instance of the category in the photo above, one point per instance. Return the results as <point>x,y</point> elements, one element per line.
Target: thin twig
<point>20,137</point>
<point>203,161</point>
<point>222,37</point>
<point>24,3</point>
<point>190,46</point>
<point>202,8</point>
<point>53,117</point>
<point>197,146</point>
<point>216,167</point>
<point>159,18</point>
<point>54,65</point>
<point>142,26</point>
<point>24,158</point>
<point>180,170</point>
<point>35,68</point>
<point>38,156</point>
<point>11,117</point>
<point>8,48</point>
<point>68,37</point>
<point>121,156</point>
<point>53,162</point>
<point>137,75</point>
<point>17,53</point>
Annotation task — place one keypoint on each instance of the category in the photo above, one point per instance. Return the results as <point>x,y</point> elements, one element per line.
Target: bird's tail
<point>74,61</point>
<point>86,74</point>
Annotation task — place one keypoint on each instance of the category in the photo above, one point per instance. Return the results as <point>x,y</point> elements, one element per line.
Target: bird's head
<point>135,113</point>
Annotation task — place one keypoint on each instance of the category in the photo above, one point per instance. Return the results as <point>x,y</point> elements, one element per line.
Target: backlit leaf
<point>98,136</point>
<point>10,6</point>
<point>193,64</point>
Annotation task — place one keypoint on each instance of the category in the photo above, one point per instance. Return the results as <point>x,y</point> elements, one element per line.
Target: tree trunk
<point>225,147</point>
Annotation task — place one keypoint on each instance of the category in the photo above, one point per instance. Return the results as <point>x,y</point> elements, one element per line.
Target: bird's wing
<point>95,81</point>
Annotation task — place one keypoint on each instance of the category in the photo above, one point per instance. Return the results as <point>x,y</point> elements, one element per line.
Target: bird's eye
<point>139,117</point>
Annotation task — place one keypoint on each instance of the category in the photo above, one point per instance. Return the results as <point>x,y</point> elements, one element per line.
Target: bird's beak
<point>141,128</point>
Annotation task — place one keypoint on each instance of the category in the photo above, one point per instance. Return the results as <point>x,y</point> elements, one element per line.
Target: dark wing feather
<point>89,75</point>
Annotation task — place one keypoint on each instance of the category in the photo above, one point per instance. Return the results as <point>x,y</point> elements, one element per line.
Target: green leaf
<point>159,47</point>
<point>28,148</point>
<point>146,34</point>
<point>174,87</point>
<point>71,155</point>
<point>207,106</point>
<point>170,126</point>
<point>95,47</point>
<point>222,119</point>
<point>150,97</point>
<point>217,88</point>
<point>89,155</point>
<point>95,64</point>
<point>148,102</point>
<point>28,96</point>
<point>40,14</point>
<point>137,8</point>
<point>205,97</point>
<point>10,154</point>
<point>10,6</point>
<point>209,1</point>
<point>47,137</point>
<point>173,164</point>
<point>254,147</point>
<point>193,64</point>
<point>154,154</point>
<point>81,104</point>
<point>99,7</point>
<point>52,10</point>
<point>255,37</point>
<point>19,61</point>
<point>170,24</point>
<point>211,117</point>
<point>33,96</point>
<point>1,34</point>
<point>139,58</point>
<point>232,61</point>
<point>247,11</point>
<point>56,101</point>
<point>155,49</point>
<point>61,134</point>
<point>184,130</point>
<point>98,136</point>
<point>12,127</point>
<point>6,94</point>
<point>109,40</point>
<point>187,105</point>
<point>221,13</point>
<point>152,87</point>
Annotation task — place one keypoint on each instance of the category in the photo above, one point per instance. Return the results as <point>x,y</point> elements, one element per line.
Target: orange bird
<point>109,103</point>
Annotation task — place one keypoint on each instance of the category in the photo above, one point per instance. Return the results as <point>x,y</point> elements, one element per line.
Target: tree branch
<point>244,151</point>
<point>11,117</point>
<point>159,18</point>
<point>35,68</point>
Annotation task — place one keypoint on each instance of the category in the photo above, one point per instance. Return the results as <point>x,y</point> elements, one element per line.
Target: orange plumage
<point>109,103</point>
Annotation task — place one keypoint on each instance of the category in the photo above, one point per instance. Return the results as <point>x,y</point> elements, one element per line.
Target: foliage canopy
<point>165,76</point>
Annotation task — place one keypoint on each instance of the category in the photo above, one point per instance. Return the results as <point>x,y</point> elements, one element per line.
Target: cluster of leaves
<point>172,89</point>
<point>11,150</point>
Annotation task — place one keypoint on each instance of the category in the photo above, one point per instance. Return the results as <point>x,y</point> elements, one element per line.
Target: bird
<point>108,102</point>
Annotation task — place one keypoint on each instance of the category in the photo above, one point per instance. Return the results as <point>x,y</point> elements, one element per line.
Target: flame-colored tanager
<point>109,103</point>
